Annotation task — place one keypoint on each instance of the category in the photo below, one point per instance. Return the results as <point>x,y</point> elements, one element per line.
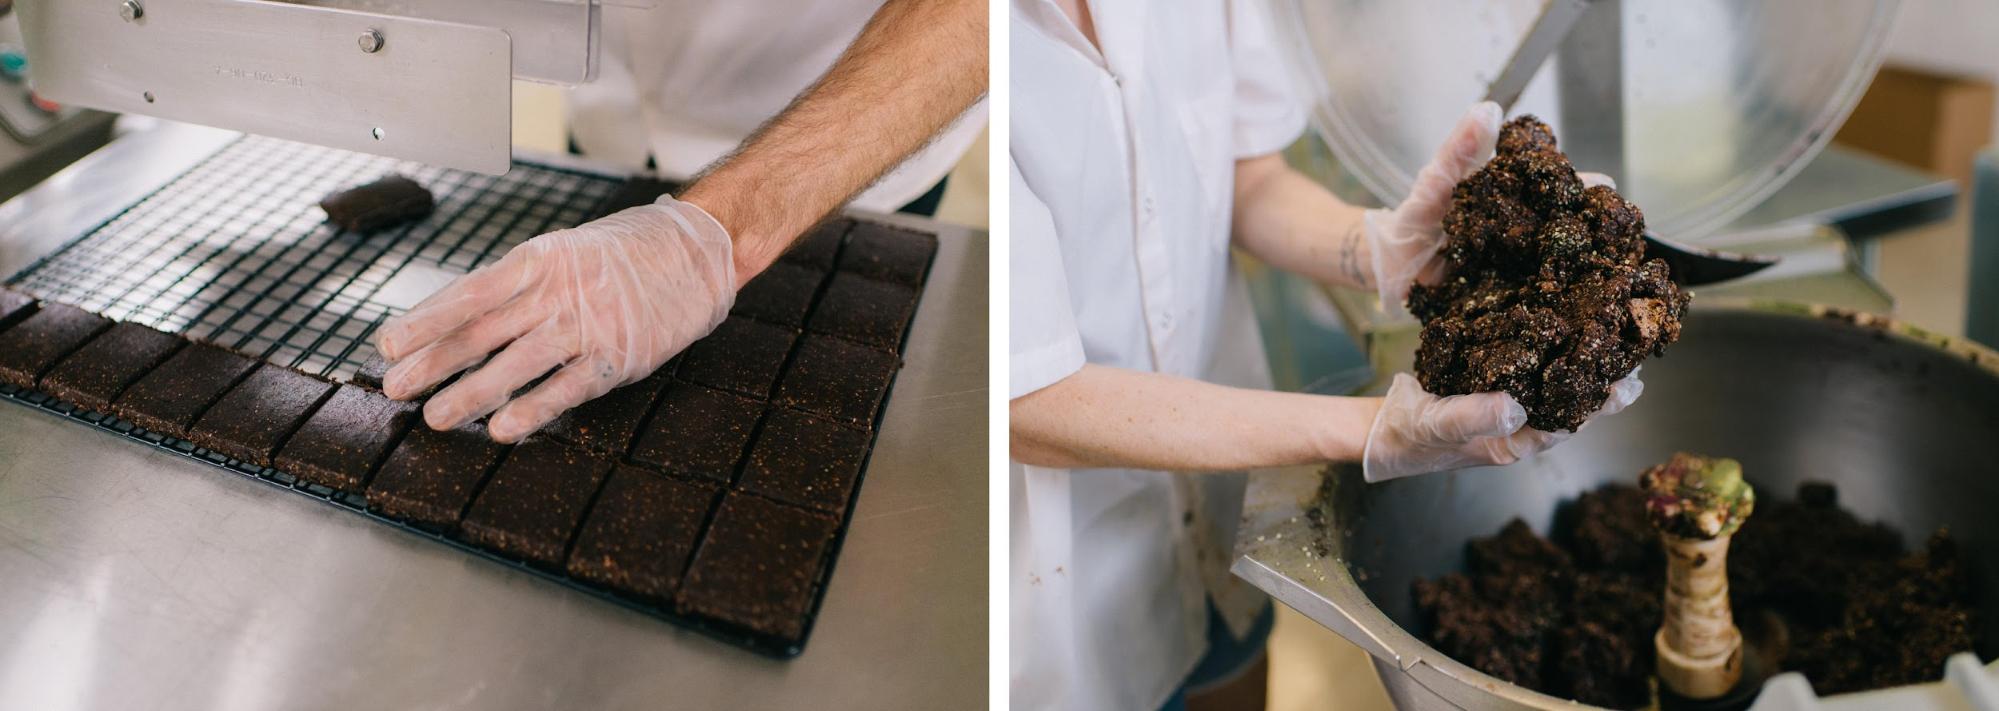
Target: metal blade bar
<point>411,88</point>
<point>553,41</point>
<point>1541,41</point>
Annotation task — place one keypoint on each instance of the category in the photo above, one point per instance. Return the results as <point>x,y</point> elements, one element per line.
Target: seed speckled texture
<point>256,416</point>
<point>432,475</point>
<point>1547,294</point>
<point>638,537</point>
<point>535,501</point>
<point>168,399</point>
<point>741,356</point>
<point>804,460</point>
<point>31,347</point>
<point>94,375</point>
<point>757,565</point>
<point>339,446</point>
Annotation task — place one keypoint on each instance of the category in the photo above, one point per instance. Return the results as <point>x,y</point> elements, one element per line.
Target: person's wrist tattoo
<point>1349,259</point>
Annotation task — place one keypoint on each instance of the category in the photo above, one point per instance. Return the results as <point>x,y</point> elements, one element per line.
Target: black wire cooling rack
<point>236,252</point>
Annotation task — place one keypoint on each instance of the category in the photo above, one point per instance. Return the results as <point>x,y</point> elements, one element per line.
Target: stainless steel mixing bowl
<point>1904,422</point>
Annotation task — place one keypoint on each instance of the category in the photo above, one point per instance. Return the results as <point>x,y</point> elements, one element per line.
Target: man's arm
<point>914,69</point>
<point>1296,225</point>
<point>1113,417</point>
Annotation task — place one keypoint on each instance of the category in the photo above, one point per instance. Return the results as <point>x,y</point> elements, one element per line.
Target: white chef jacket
<point>687,80</point>
<point>1123,167</point>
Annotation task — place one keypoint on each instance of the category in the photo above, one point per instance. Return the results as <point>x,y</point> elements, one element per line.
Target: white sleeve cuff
<point>1275,130</point>
<point>1037,368</point>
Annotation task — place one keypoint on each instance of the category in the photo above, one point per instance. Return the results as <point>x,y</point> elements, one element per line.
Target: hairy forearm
<point>1296,225</point>
<point>915,68</point>
<point>1112,417</point>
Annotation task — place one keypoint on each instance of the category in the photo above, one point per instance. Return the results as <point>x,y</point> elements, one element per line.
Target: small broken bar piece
<point>742,356</point>
<point>801,459</point>
<point>782,294</point>
<point>640,533</point>
<point>254,418</point>
<point>756,567</point>
<point>891,254</point>
<point>14,306</point>
<point>371,373</point>
<point>837,379</point>
<point>339,446</point>
<point>534,502</point>
<point>388,202</point>
<point>35,344</point>
<point>819,247</point>
<point>95,374</point>
<point>607,424</point>
<point>168,399</point>
<point>698,431</point>
<point>376,369</point>
<point>866,310</point>
<point>432,476</point>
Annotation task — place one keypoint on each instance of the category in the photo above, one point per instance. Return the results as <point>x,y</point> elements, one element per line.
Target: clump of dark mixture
<point>1547,294</point>
<point>1525,570</point>
<point>1862,612</point>
<point>1573,616</point>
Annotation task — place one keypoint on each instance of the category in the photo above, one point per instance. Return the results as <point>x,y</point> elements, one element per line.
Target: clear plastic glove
<point>1418,433</point>
<point>1405,243</point>
<point>607,303</point>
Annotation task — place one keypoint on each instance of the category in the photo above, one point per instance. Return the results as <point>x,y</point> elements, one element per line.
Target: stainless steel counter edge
<point>131,578</point>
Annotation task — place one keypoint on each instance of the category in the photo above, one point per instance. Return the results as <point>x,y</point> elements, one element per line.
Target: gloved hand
<point>1418,433</point>
<point>1404,243</point>
<point>608,303</point>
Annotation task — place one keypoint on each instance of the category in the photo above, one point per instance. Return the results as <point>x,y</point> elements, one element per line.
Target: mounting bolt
<point>131,10</point>
<point>371,41</point>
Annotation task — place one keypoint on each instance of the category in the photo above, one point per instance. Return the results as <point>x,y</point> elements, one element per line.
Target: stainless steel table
<point>134,579</point>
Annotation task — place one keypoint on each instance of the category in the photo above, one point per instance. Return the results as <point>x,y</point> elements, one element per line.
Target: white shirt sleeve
<point>1043,343</point>
<point>1268,115</point>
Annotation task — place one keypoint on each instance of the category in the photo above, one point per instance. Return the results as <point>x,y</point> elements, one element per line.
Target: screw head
<point>371,41</point>
<point>131,10</point>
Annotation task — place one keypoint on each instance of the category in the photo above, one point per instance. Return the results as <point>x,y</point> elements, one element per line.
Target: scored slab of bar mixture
<point>713,492</point>
<point>31,347</point>
<point>95,374</point>
<point>253,418</point>
<point>168,399</point>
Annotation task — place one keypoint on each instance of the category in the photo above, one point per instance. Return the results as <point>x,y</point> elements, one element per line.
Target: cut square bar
<point>756,566</point>
<point>641,532</point>
<point>340,445</point>
<point>535,501</point>
<point>432,475</point>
